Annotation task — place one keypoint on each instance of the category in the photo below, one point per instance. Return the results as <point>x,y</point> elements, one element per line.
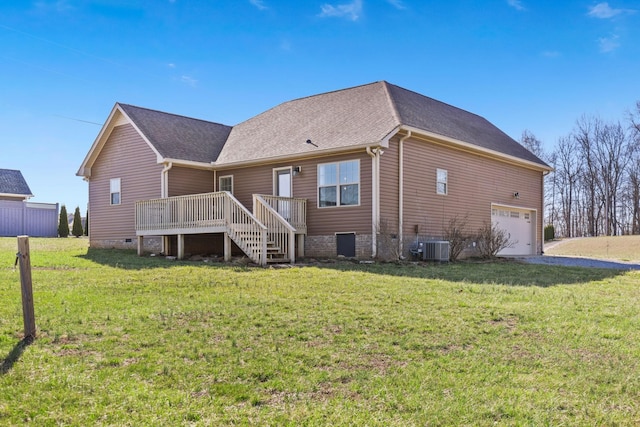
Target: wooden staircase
<point>264,235</point>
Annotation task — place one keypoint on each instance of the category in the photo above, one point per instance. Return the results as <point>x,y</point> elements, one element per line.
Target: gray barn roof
<point>12,182</point>
<point>179,137</point>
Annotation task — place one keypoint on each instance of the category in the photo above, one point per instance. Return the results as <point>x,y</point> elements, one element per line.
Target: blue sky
<point>522,64</point>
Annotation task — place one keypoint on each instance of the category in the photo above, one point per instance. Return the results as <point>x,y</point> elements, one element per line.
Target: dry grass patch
<point>622,248</point>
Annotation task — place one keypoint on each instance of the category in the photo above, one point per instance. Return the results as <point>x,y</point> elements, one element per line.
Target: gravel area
<point>579,262</point>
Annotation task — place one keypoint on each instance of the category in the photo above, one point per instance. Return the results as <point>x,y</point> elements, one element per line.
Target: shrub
<point>76,228</point>
<point>549,232</point>
<point>389,248</point>
<point>458,238</point>
<point>63,224</point>
<point>492,239</point>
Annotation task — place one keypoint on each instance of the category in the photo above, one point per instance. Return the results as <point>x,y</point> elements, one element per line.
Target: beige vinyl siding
<point>474,182</point>
<point>320,221</point>
<point>127,156</point>
<point>189,181</point>
<point>389,184</point>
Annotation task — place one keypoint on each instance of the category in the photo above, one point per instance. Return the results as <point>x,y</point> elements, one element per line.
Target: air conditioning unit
<point>436,250</point>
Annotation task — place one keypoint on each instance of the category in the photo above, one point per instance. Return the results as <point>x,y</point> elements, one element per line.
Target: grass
<point>623,248</point>
<point>124,340</point>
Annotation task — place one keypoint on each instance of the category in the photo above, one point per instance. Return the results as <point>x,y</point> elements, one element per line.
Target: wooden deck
<point>269,232</point>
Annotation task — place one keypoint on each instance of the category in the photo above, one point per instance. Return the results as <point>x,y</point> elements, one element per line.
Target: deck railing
<point>181,212</point>
<point>293,210</point>
<point>208,212</point>
<point>280,234</point>
<point>245,230</point>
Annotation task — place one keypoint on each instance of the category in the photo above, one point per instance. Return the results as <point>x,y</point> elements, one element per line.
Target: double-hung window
<point>225,183</point>
<point>441,182</point>
<point>339,184</point>
<point>114,190</point>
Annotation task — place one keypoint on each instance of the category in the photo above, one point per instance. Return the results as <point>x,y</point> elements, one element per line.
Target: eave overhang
<point>472,148</point>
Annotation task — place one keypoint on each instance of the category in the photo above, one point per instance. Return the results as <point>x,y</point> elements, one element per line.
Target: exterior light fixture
<point>297,170</point>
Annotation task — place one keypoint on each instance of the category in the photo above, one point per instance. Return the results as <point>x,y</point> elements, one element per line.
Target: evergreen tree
<point>86,224</point>
<point>63,225</point>
<point>76,229</point>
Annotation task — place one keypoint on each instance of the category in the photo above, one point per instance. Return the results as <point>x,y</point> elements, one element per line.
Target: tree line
<point>595,187</point>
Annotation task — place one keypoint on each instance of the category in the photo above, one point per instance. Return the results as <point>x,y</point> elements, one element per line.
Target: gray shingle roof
<point>358,116</point>
<point>428,114</point>
<point>12,182</point>
<point>179,137</point>
<point>332,120</point>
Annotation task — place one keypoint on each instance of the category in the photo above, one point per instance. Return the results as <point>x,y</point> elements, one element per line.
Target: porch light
<point>297,170</point>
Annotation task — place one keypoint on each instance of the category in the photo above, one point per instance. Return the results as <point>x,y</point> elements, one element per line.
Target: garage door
<point>521,224</point>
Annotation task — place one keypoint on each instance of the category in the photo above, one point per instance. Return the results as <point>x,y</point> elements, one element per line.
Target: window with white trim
<point>441,181</point>
<point>225,183</point>
<point>114,191</point>
<point>339,184</point>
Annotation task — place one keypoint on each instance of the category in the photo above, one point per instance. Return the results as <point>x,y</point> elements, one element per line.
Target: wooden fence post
<point>24,258</point>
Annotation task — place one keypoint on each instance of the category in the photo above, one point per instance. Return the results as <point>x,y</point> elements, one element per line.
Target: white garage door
<point>521,224</point>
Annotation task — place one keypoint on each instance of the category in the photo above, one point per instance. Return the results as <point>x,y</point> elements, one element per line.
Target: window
<point>225,183</point>
<point>114,190</point>
<point>441,181</point>
<point>339,184</point>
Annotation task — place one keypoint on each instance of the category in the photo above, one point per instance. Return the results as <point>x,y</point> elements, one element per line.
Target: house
<point>13,186</point>
<point>20,217</point>
<point>339,173</point>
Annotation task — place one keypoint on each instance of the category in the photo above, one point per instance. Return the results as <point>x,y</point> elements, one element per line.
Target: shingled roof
<point>345,119</point>
<point>359,116</point>
<point>350,117</point>
<point>428,114</point>
<point>179,137</point>
<point>12,182</point>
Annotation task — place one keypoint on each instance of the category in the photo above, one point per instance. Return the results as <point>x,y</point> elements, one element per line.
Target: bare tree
<point>533,144</point>
<point>566,179</point>
<point>613,151</point>
<point>596,184</point>
<point>585,134</point>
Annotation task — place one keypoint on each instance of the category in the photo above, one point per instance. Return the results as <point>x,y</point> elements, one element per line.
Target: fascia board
<point>308,155</point>
<point>101,139</point>
<point>188,163</point>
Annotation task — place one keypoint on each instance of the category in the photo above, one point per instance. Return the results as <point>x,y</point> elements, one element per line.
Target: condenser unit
<point>436,250</point>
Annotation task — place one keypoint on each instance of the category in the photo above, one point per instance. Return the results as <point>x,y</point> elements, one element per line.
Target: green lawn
<point>124,340</point>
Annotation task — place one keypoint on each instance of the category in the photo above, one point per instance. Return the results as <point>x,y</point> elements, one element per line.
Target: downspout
<point>401,192</point>
<point>375,198</point>
<point>164,193</point>
<point>164,180</point>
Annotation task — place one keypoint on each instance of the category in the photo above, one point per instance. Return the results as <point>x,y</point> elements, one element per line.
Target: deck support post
<point>227,247</point>
<point>140,245</point>
<point>180,246</point>
<point>300,245</point>
<point>292,246</point>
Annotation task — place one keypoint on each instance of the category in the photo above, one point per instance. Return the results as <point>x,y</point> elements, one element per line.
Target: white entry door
<point>520,224</point>
<point>283,188</point>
